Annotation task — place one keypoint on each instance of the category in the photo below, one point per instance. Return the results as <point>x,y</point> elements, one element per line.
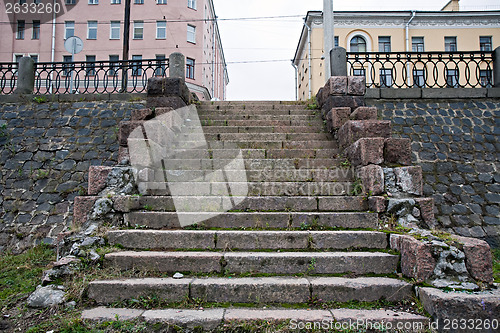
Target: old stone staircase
<point>301,238</point>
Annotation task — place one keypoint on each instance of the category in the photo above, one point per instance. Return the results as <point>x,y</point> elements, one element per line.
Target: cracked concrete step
<point>264,220</point>
<point>262,290</point>
<point>265,188</point>
<point>261,129</point>
<point>210,319</point>
<point>215,203</point>
<point>246,240</point>
<point>359,263</point>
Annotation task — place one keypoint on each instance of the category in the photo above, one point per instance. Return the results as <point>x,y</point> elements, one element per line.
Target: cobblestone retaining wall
<point>45,153</point>
<point>457,144</point>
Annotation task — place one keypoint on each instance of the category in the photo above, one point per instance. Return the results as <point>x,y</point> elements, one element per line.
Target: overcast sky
<point>259,52</point>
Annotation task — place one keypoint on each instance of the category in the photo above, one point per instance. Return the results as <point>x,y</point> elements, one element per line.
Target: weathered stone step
<point>268,136</point>
<point>309,123</point>
<point>258,163</point>
<point>255,111</point>
<point>261,290</point>
<point>257,117</point>
<point>215,203</point>
<point>263,188</point>
<point>246,240</point>
<point>261,144</point>
<point>261,129</point>
<point>260,220</point>
<point>210,319</point>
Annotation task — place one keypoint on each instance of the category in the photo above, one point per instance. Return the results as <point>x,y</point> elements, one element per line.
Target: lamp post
<point>328,35</point>
<point>126,39</point>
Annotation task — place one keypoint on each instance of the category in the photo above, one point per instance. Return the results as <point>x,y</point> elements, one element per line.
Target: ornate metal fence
<point>87,77</point>
<point>423,69</point>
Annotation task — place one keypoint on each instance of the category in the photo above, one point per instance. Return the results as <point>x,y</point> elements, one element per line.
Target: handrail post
<point>496,68</point>
<point>25,76</point>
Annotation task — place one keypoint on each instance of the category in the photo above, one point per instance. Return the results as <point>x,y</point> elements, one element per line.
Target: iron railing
<point>423,69</point>
<point>87,77</point>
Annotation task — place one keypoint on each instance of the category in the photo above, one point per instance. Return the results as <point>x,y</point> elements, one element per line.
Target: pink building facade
<point>157,29</point>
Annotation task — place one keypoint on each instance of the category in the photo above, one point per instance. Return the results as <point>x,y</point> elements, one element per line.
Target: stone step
<point>280,263</point>
<point>260,144</point>
<point>335,320</point>
<point>251,153</point>
<point>258,163</point>
<point>302,123</point>
<point>261,129</point>
<point>260,220</point>
<point>267,136</point>
<point>258,117</point>
<point>259,175</point>
<point>264,188</point>
<point>261,290</point>
<point>246,240</point>
<point>255,111</point>
<point>215,203</point>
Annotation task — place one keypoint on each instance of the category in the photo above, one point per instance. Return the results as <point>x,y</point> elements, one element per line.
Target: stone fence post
<point>177,66</point>
<point>338,61</point>
<point>25,76</point>
<point>496,67</point>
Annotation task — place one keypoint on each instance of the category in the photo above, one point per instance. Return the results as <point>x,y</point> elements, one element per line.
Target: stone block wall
<point>46,150</point>
<point>457,144</point>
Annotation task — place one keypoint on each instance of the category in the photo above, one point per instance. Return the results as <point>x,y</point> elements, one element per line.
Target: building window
<point>485,78</point>
<point>93,2</point>
<point>17,58</point>
<point>70,2</point>
<point>192,4</point>
<point>485,43</point>
<point>161,2</point>
<point>385,77</point>
<point>37,1</point>
<point>22,2</point>
<point>417,44</point>
<point>450,44</point>
<point>138,29</point>
<point>139,2</point>
<point>191,34</point>
<point>113,66</point>
<point>136,65</point>
<point>34,57</point>
<point>68,65</point>
<point>90,66</point>
<point>114,32</point>
<point>384,44</point>
<point>20,29</point>
<point>418,78</point>
<point>69,29</point>
<point>36,30</point>
<point>116,2</point>
<point>190,68</point>
<point>161,29</point>
<point>160,65</point>
<point>92,30</point>
<point>358,72</point>
<point>358,44</point>
<point>336,41</point>
<point>452,78</point>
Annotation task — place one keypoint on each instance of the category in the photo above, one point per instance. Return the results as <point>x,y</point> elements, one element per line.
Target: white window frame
<point>117,26</point>
<point>21,33</point>
<point>385,77</point>
<point>190,68</point>
<point>93,2</point>
<point>192,4</point>
<point>33,29</point>
<point>69,25</point>
<point>449,43</point>
<point>417,44</point>
<point>163,28</point>
<point>91,25</point>
<point>116,2</point>
<point>138,27</point>
<point>191,33</point>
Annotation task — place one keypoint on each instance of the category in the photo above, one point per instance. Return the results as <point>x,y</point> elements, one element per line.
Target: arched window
<point>358,44</point>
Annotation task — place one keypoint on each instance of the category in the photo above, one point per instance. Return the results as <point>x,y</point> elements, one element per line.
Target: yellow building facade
<point>395,31</point>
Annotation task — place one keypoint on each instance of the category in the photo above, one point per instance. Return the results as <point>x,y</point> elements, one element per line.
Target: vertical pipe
<point>328,34</point>
<point>53,47</point>
<point>126,39</point>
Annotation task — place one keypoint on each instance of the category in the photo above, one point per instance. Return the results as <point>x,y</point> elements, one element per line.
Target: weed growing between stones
<point>496,265</point>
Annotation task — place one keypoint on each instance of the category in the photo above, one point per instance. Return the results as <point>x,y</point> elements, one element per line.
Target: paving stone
<point>153,239</point>
<point>207,319</point>
<point>277,240</point>
<point>111,314</point>
<point>348,239</point>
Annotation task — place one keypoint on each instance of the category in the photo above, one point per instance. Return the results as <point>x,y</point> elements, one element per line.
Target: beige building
<point>398,31</point>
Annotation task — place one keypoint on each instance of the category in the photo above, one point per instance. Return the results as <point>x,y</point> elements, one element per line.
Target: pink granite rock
<point>397,151</point>
<point>366,151</point>
<point>417,261</point>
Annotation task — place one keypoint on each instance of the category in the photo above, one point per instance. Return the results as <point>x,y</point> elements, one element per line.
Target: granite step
<point>261,129</point>
<point>246,240</point>
<point>254,153</point>
<point>257,163</point>
<point>239,318</point>
<point>261,290</point>
<point>258,144</point>
<point>258,117</point>
<point>257,220</point>
<point>261,110</point>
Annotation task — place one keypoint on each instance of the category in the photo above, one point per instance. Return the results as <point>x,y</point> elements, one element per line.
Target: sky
<point>259,52</point>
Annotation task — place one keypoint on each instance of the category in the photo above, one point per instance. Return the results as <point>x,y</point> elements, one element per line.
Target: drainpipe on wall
<point>53,47</point>
<point>296,81</point>
<point>310,55</point>
<point>407,29</point>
